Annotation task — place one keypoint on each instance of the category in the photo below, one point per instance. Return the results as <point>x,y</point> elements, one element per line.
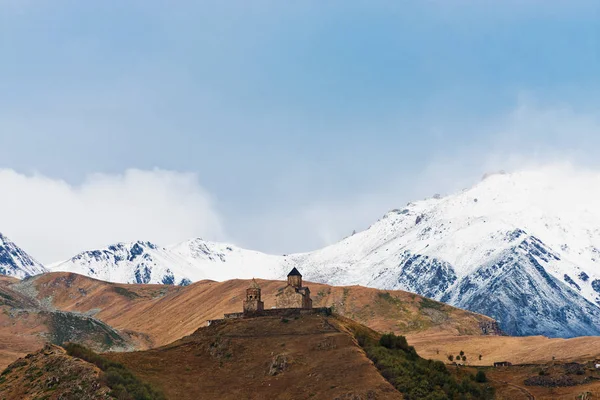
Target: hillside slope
<point>154,315</point>
<point>51,374</point>
<point>28,321</point>
<point>166,313</point>
<point>310,357</point>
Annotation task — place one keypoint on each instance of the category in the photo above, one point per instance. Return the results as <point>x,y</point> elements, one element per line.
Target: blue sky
<point>309,118</point>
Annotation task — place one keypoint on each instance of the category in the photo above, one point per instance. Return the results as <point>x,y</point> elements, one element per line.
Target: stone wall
<point>290,298</point>
<point>276,312</point>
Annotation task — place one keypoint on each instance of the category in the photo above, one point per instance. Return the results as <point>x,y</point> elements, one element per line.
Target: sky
<point>277,126</point>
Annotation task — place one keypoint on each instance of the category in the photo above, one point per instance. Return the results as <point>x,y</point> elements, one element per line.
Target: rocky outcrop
<point>491,328</point>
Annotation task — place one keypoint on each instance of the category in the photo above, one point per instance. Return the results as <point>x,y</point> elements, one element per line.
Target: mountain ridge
<point>441,247</point>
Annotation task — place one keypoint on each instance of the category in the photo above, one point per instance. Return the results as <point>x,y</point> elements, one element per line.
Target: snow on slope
<point>180,264</point>
<point>136,262</point>
<point>467,229</point>
<point>523,248</point>
<point>222,261</point>
<point>16,262</point>
<point>542,226</point>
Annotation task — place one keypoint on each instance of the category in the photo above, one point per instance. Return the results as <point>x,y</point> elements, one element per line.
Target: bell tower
<point>295,278</point>
<point>253,302</point>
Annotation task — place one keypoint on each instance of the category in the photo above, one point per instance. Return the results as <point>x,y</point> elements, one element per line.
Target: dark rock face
<point>168,279</point>
<point>514,288</point>
<point>525,299</point>
<point>491,328</point>
<point>571,282</point>
<point>143,274</point>
<point>425,276</point>
<point>596,285</point>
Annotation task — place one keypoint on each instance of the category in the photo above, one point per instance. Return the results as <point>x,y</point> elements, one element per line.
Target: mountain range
<point>522,248</point>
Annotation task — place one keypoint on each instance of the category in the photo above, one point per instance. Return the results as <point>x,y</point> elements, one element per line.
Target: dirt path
<point>526,392</point>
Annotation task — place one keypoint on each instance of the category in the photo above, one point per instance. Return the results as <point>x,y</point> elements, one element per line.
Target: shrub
<point>480,377</point>
<point>416,377</point>
<point>123,383</point>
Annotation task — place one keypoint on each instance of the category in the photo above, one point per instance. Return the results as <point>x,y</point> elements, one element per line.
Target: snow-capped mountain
<point>16,262</point>
<point>136,262</point>
<point>523,248</point>
<point>181,264</point>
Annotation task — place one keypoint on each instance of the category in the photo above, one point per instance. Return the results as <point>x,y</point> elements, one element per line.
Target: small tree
<point>464,358</point>
<point>462,353</point>
<point>480,377</point>
<point>451,358</point>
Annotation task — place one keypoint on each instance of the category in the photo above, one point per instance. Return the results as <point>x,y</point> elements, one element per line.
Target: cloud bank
<point>54,220</point>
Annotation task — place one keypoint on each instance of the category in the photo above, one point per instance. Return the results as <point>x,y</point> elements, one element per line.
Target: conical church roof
<point>294,272</point>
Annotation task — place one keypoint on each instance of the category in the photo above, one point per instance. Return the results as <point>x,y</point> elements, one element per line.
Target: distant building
<point>502,364</point>
<point>253,303</point>
<point>294,295</point>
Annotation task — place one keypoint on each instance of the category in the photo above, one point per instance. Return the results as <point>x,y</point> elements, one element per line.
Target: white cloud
<point>529,137</point>
<point>53,220</point>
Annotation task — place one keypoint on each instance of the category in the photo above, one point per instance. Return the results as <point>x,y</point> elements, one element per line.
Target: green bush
<point>480,377</point>
<point>416,377</point>
<point>123,383</point>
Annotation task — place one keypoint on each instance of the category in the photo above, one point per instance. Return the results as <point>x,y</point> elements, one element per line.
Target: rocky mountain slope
<point>180,264</point>
<point>523,248</point>
<point>137,262</point>
<point>16,262</point>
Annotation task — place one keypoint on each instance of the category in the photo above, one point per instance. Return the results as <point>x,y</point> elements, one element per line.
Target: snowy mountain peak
<point>479,241</point>
<point>133,262</point>
<point>16,262</point>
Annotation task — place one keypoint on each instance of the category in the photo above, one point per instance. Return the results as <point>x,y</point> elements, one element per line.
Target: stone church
<point>293,299</point>
<point>294,295</point>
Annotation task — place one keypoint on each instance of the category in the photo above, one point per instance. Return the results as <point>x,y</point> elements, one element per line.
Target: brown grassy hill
<point>155,315</point>
<point>45,307</point>
<point>27,321</point>
<point>166,313</point>
<point>307,357</point>
<point>51,374</point>
<point>517,350</point>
